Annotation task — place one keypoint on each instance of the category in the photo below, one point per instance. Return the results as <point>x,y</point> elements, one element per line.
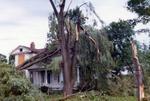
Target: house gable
<point>21,54</point>
<point>20,49</point>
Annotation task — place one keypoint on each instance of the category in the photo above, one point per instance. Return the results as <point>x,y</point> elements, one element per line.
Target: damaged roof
<point>43,55</point>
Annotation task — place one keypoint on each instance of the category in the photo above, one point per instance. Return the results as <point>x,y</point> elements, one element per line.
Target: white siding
<point>61,77</point>
<point>28,56</point>
<point>23,50</point>
<point>16,60</point>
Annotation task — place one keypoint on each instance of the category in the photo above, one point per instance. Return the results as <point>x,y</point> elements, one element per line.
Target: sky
<point>26,21</point>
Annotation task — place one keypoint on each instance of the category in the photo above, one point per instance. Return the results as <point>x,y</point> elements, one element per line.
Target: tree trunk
<point>138,73</point>
<point>68,57</point>
<point>65,49</point>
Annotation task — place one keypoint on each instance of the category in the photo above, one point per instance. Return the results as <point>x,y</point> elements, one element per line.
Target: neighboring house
<point>37,65</point>
<point>3,58</point>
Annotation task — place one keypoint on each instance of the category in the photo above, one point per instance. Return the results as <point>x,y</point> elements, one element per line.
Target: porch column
<point>45,80</point>
<point>61,76</point>
<point>27,74</point>
<point>78,75</point>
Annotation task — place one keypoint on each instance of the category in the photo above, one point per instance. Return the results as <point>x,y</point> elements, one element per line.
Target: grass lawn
<point>103,98</point>
<point>91,96</point>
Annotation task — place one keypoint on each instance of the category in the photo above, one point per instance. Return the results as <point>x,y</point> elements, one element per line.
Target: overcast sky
<point>25,21</point>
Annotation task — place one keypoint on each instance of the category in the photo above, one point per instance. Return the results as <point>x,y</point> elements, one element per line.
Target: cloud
<point>112,10</point>
<point>21,22</point>
<point>24,21</point>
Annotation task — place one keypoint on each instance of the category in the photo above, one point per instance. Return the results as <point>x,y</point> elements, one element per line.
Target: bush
<point>117,86</point>
<point>15,87</point>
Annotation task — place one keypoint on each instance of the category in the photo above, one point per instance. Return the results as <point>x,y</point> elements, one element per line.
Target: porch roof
<point>38,58</point>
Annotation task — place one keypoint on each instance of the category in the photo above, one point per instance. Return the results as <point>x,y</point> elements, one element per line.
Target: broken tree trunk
<point>65,48</point>
<point>138,72</point>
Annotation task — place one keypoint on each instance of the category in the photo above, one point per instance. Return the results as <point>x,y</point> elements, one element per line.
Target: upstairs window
<point>21,50</point>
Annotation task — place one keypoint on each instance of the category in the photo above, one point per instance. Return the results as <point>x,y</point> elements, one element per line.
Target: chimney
<point>32,45</point>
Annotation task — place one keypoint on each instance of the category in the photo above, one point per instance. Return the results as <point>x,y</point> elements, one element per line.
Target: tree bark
<point>65,49</point>
<point>138,73</point>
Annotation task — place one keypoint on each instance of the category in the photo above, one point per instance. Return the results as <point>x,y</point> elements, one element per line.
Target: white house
<point>34,63</point>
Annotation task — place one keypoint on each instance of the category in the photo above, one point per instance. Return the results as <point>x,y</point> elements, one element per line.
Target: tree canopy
<point>142,8</point>
<point>121,34</point>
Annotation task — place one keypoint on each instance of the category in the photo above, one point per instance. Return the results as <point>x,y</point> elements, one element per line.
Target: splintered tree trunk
<point>65,49</point>
<point>68,58</point>
<point>138,73</point>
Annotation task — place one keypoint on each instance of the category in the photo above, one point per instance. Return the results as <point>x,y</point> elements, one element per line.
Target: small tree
<point>120,33</point>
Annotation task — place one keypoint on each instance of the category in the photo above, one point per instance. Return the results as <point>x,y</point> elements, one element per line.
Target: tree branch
<point>93,41</point>
<point>54,8</point>
<point>69,6</point>
<point>62,6</point>
<point>83,4</point>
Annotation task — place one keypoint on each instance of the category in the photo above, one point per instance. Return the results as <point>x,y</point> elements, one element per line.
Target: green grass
<point>91,96</point>
<point>102,98</point>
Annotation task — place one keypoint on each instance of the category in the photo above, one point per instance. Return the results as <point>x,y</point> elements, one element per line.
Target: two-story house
<point>35,63</point>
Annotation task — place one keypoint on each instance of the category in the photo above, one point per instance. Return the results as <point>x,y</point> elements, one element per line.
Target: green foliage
<point>141,7</point>
<point>120,33</point>
<point>15,87</point>
<point>76,16</point>
<point>88,53</point>
<point>52,39</point>
<point>94,96</point>
<point>92,65</point>
<point>144,57</point>
<point>55,64</point>
<point>52,28</point>
<point>121,86</point>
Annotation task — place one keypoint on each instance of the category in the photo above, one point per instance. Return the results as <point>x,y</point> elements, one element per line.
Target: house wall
<point>27,56</point>
<point>16,60</point>
<point>18,53</point>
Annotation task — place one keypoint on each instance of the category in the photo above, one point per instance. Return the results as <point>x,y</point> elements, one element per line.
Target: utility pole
<point>138,72</point>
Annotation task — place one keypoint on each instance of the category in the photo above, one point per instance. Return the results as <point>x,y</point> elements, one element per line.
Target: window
<point>49,76</point>
<point>21,49</point>
<point>31,76</point>
<point>42,76</point>
<point>21,58</point>
<point>58,78</point>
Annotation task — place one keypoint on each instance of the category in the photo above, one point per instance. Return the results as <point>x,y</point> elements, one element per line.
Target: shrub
<point>15,87</point>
